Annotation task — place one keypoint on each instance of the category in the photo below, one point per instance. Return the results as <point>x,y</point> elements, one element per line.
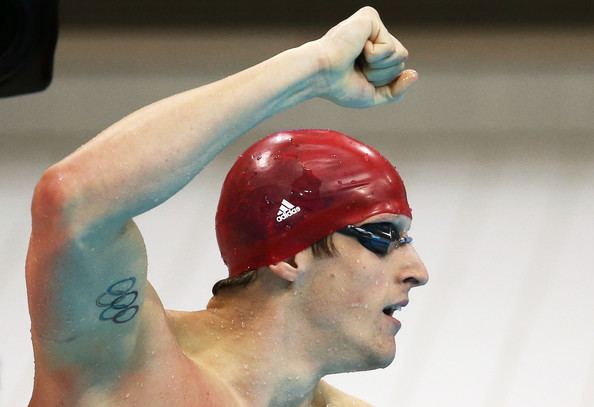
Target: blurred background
<point>495,143</point>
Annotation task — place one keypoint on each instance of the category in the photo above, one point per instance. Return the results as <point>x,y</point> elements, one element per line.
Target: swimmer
<point>312,225</point>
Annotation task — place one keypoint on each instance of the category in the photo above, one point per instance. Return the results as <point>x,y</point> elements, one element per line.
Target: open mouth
<point>390,309</point>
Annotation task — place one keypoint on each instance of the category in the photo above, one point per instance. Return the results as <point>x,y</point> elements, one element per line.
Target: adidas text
<point>286,210</point>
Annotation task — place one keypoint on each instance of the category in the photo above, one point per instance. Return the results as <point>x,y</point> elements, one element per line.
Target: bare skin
<point>101,336</point>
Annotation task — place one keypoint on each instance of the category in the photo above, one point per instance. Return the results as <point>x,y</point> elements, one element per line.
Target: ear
<point>285,270</point>
<point>290,269</point>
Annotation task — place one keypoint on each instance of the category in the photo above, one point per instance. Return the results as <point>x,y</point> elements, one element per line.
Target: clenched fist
<point>361,63</point>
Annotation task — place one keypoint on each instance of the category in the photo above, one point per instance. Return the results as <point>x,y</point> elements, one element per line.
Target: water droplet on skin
<point>358,261</point>
<point>242,324</point>
<point>127,395</point>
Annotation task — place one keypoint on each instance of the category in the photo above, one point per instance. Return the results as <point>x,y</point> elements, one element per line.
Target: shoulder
<point>332,397</point>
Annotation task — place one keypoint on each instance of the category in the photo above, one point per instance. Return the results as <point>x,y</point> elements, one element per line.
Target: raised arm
<point>86,268</point>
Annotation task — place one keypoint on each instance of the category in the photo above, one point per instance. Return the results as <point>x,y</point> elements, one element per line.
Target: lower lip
<point>394,322</point>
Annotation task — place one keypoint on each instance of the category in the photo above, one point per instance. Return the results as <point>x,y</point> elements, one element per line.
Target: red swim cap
<point>292,188</point>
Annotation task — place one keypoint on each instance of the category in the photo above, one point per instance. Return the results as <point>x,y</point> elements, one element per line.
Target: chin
<point>386,358</point>
<point>387,361</point>
<point>379,358</point>
<point>387,354</point>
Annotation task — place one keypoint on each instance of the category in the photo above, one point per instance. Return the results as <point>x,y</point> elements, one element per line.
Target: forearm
<point>148,156</point>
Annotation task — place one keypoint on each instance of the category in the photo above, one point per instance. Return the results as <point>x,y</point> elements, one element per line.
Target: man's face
<point>349,293</point>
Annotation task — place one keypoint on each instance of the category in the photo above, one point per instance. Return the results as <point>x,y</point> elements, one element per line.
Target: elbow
<point>52,195</point>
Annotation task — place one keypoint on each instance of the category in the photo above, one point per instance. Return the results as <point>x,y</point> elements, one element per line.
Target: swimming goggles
<point>380,237</point>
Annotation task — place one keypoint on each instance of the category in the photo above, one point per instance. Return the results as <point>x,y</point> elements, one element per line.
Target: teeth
<point>392,308</point>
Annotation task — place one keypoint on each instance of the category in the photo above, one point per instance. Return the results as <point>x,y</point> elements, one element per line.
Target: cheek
<point>362,281</point>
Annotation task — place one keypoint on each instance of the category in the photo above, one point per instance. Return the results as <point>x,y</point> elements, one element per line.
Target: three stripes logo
<point>286,210</point>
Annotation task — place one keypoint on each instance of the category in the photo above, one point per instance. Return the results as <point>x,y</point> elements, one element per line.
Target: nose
<point>411,269</point>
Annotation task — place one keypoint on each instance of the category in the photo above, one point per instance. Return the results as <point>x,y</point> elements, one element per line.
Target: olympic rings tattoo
<point>118,300</point>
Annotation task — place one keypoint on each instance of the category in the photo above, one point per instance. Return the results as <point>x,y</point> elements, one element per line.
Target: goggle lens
<point>380,237</point>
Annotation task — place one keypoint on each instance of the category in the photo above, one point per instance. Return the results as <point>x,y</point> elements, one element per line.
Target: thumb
<point>395,90</point>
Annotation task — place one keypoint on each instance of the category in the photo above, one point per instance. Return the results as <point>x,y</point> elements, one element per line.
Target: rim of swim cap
<point>292,188</point>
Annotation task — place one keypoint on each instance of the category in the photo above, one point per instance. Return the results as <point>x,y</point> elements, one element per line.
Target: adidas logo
<point>286,210</point>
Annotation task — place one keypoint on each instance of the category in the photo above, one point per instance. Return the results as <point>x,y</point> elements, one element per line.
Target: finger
<point>374,51</point>
<point>395,91</point>
<point>381,44</point>
<point>398,56</point>
<point>383,76</point>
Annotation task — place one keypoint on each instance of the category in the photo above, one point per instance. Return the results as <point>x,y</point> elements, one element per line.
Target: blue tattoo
<point>118,301</point>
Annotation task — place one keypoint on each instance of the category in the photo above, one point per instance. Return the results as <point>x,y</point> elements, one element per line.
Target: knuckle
<point>404,53</point>
<point>370,10</point>
<point>392,48</point>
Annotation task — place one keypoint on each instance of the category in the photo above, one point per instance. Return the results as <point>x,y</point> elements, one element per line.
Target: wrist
<point>315,64</point>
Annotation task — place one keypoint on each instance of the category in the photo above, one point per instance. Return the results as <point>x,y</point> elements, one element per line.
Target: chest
<point>173,382</point>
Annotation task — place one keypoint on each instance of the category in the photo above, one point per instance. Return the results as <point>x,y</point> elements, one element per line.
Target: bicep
<point>85,295</point>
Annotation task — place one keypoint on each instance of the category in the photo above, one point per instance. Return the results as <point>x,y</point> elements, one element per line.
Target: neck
<point>262,350</point>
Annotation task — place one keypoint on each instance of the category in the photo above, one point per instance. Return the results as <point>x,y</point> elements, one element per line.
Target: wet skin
<point>328,320</point>
<point>100,334</point>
